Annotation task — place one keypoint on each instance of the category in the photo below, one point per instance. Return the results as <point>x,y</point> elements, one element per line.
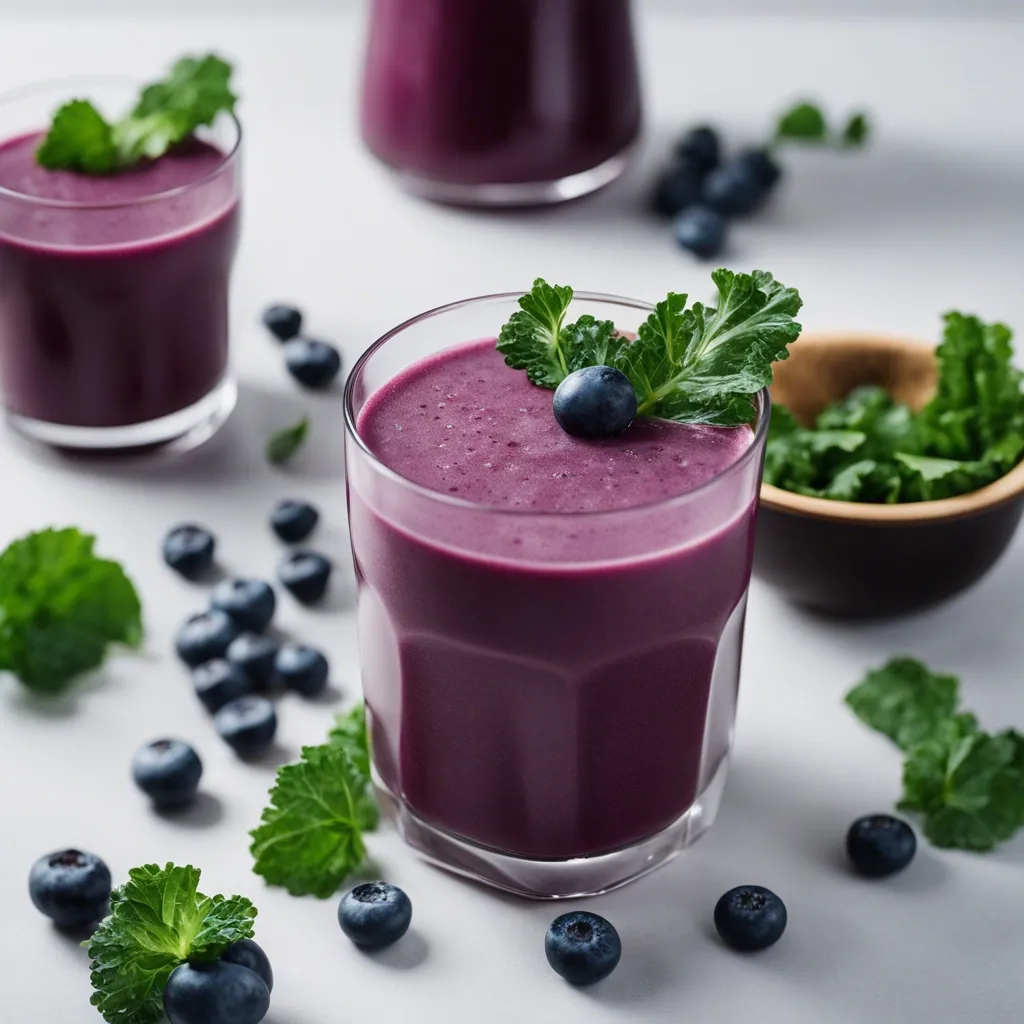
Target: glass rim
<point>761,398</point>
<point>22,91</point>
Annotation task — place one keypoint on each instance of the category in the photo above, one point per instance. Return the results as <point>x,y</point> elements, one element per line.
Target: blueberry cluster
<point>314,364</point>
<point>700,191</point>
<point>232,990</point>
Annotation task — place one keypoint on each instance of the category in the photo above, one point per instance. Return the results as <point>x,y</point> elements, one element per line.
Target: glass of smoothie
<point>114,289</point>
<point>550,628</point>
<point>501,103</point>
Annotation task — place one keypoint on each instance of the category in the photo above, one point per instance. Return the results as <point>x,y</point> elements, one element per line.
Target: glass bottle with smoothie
<point>114,286</point>
<point>550,627</point>
<point>501,103</point>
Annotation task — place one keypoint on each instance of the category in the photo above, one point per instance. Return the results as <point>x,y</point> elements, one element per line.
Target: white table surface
<point>930,218</point>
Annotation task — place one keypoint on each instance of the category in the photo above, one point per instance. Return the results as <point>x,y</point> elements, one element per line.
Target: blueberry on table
<point>375,914</point>
<point>218,992</point>
<point>314,364</point>
<point>251,603</point>
<point>218,681</point>
<point>254,654</point>
<point>675,190</point>
<point>205,636</point>
<point>168,772</point>
<point>879,845</point>
<point>595,402</point>
<point>188,549</point>
<point>699,148</point>
<point>306,574</point>
<point>302,669</point>
<point>762,165</point>
<point>750,917</point>
<point>701,230</point>
<point>293,520</point>
<point>582,947</point>
<point>248,725</point>
<point>70,887</point>
<point>733,189</point>
<point>247,953</point>
<point>283,322</point>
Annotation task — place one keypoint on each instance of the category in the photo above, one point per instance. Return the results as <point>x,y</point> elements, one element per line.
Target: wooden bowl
<point>857,559</point>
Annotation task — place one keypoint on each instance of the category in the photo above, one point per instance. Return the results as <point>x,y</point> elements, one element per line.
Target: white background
<point>932,216</point>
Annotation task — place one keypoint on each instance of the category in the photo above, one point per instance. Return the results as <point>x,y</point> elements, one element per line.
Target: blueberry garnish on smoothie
<point>698,364</point>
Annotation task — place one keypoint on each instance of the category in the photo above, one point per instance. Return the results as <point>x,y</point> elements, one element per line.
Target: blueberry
<point>313,364</point>
<point>283,322</point>
<point>218,681</point>
<point>188,549</point>
<point>302,669</point>
<point>247,725</point>
<point>582,947</point>
<point>70,887</point>
<point>762,165</point>
<point>880,845</point>
<point>247,953</point>
<point>204,636</point>
<point>305,574</point>
<point>375,914</point>
<point>733,189</point>
<point>701,230</point>
<point>250,603</point>
<point>676,190</point>
<point>293,520</point>
<point>168,772</point>
<point>215,993</point>
<point>700,148</point>
<point>750,917</point>
<point>254,654</point>
<point>597,401</point>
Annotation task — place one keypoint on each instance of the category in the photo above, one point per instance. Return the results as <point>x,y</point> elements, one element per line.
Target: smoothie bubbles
<point>491,104</point>
<point>114,266</point>
<point>550,626</point>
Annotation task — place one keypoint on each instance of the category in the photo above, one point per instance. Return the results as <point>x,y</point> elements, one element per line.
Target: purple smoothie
<point>539,684</point>
<point>518,91</point>
<point>113,289</point>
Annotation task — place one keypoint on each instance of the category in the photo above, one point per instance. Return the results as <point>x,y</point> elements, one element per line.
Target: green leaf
<point>968,784</point>
<point>804,122</point>
<point>865,480</point>
<point>905,701</point>
<point>61,608</point>
<point>349,734</point>
<point>856,130</point>
<point>79,139</point>
<point>804,460</point>
<point>531,340</point>
<point>158,920</point>
<point>590,342</point>
<point>284,443</point>
<point>310,836</point>
<point>929,479</point>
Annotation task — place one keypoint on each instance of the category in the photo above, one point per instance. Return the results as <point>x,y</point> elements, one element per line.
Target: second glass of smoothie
<point>550,628</point>
<point>114,288</point>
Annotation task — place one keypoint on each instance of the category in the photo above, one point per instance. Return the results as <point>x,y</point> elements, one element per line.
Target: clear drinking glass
<point>550,696</point>
<point>114,290</point>
<point>501,103</point>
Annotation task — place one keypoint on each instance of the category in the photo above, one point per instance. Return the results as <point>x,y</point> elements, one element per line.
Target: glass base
<point>180,432</point>
<point>554,879</point>
<point>529,193</point>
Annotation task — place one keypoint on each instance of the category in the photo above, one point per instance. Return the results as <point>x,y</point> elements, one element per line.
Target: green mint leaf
<point>856,130</point>
<point>79,139</point>
<point>284,443</point>
<point>61,607</point>
<point>705,364</point>
<point>803,122</point>
<point>158,920</point>
<point>310,837</point>
<point>349,734</point>
<point>968,784</point>
<point>531,340</point>
<point>905,701</point>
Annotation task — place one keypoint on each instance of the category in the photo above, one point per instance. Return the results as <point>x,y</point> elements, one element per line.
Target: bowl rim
<point>999,492</point>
